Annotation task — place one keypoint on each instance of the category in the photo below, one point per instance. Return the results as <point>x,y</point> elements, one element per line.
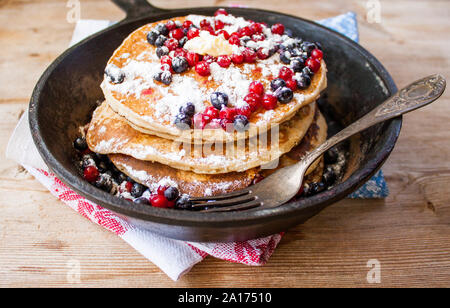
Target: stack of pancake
<point>135,125</point>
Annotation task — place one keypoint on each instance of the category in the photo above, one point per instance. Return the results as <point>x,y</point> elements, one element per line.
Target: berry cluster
<point>98,170</point>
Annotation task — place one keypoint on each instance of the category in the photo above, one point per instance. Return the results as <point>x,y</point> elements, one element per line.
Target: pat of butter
<point>207,44</point>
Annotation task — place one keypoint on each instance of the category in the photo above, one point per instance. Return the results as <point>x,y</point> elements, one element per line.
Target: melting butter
<point>207,44</point>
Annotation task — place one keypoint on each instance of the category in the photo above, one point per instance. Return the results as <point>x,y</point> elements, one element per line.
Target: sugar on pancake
<point>109,133</point>
<point>153,174</point>
<point>153,107</point>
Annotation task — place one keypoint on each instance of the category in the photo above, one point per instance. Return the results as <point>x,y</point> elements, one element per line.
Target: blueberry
<point>88,160</point>
<point>307,71</point>
<point>183,202</point>
<point>152,36</point>
<point>171,193</point>
<point>284,95</point>
<point>162,51</point>
<point>277,83</point>
<point>141,200</point>
<point>164,77</point>
<point>160,40</point>
<point>297,64</point>
<point>115,74</point>
<point>104,182</point>
<point>183,121</point>
<point>313,188</point>
<point>219,99</point>
<point>273,50</point>
<point>188,109</point>
<point>80,144</point>
<point>285,57</point>
<point>240,123</point>
<point>162,29</point>
<point>329,177</point>
<point>331,156</point>
<point>308,47</point>
<point>183,41</point>
<point>288,32</point>
<point>137,190</point>
<point>296,52</point>
<point>180,64</point>
<point>102,167</point>
<point>303,82</point>
<point>120,177</point>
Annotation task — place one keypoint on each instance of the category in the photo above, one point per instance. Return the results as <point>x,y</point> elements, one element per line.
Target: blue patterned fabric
<point>346,24</point>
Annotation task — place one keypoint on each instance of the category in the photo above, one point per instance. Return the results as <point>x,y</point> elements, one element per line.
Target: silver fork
<point>284,184</point>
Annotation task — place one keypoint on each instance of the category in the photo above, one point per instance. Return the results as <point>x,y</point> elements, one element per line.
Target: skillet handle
<point>137,8</point>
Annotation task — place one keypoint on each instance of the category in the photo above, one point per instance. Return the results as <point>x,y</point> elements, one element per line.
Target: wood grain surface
<point>409,232</point>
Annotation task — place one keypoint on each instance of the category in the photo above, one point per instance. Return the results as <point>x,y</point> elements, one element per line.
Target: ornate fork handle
<point>416,95</point>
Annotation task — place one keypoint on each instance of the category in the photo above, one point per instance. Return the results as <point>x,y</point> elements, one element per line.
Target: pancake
<point>153,174</point>
<point>316,135</point>
<point>109,133</point>
<point>154,111</point>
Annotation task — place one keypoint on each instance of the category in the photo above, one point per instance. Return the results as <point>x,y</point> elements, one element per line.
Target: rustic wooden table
<point>408,233</point>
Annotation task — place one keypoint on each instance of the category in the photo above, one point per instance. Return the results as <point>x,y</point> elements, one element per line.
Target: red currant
<point>224,61</point>
<point>317,54</point>
<point>256,87</point>
<point>170,25</point>
<point>245,111</point>
<point>212,112</point>
<point>278,29</point>
<point>200,120</point>
<point>192,58</point>
<point>214,124</point>
<point>262,53</point>
<point>258,37</point>
<point>193,32</point>
<point>171,43</point>
<point>224,33</point>
<point>221,12</point>
<point>226,124</point>
<point>209,29</point>
<point>209,59</point>
<point>204,23</point>
<point>269,101</point>
<point>256,27</point>
<point>177,34</point>
<point>227,113</point>
<point>158,201</point>
<point>218,24</point>
<point>291,84</point>
<point>234,40</point>
<point>246,31</point>
<point>166,60</point>
<point>237,59</point>
<point>285,73</point>
<point>180,52</point>
<point>313,64</point>
<point>186,24</point>
<point>91,173</point>
<point>128,186</point>
<point>161,189</point>
<point>249,55</point>
<point>202,68</point>
<point>253,100</point>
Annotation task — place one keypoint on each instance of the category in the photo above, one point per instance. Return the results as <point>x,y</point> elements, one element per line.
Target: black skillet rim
<point>215,220</point>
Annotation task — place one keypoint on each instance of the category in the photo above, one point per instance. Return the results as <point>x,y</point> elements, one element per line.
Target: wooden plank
<point>408,232</point>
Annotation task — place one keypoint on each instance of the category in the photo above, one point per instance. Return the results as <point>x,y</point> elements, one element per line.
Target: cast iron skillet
<point>66,95</point>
